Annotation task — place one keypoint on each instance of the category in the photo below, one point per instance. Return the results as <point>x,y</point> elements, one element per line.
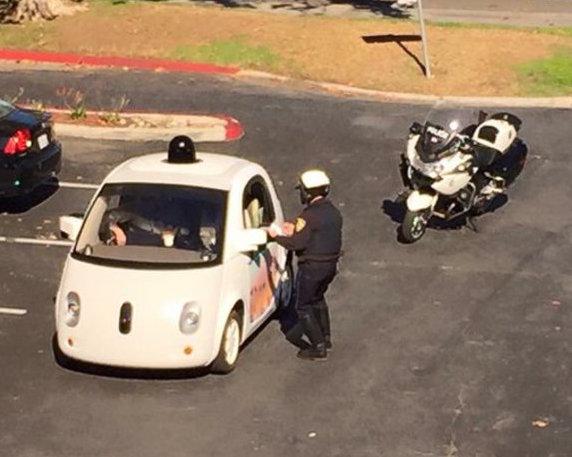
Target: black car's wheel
<point>413,226</point>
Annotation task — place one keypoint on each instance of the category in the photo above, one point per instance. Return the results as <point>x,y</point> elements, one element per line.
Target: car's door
<point>259,211</point>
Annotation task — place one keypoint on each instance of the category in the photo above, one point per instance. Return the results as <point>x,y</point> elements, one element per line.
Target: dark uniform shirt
<point>317,234</point>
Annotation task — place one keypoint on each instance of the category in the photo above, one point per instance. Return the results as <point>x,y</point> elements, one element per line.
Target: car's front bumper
<point>29,172</point>
<point>150,350</point>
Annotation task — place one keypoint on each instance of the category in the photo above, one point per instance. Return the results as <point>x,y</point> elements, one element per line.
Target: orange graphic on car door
<point>263,285</point>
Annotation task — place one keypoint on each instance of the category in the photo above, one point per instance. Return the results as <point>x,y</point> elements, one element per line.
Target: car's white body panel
<point>157,295</point>
<point>157,298</point>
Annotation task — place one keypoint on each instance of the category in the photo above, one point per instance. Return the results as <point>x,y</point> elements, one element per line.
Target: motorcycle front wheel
<point>413,226</point>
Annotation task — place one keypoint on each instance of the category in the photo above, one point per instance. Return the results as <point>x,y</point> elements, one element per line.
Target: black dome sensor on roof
<point>182,150</point>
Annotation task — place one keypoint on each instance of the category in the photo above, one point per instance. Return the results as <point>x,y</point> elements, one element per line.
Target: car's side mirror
<point>70,226</point>
<point>415,128</point>
<point>249,240</point>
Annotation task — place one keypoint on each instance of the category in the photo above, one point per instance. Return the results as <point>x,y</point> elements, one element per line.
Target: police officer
<point>316,237</point>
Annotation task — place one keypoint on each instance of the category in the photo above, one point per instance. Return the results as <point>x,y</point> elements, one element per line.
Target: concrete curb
<point>398,97</point>
<point>200,128</point>
<point>18,55</point>
<point>339,89</point>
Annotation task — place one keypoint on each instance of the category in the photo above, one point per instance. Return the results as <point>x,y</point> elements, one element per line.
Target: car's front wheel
<point>227,356</point>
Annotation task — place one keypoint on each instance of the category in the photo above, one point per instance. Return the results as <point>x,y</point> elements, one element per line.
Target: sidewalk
<point>521,18</point>
<point>534,13</point>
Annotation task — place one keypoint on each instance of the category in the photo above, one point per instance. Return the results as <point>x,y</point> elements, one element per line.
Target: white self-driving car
<point>170,267</point>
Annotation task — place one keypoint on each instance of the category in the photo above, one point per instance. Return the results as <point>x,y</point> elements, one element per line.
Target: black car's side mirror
<point>415,128</point>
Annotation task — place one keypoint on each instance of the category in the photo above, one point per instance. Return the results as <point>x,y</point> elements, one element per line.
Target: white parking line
<point>19,240</point>
<point>13,311</point>
<point>75,185</point>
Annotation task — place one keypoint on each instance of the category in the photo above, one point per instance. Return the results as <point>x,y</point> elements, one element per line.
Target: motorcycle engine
<point>466,196</point>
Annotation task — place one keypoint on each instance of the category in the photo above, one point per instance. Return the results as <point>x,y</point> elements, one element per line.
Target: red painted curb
<point>233,128</point>
<point>115,61</point>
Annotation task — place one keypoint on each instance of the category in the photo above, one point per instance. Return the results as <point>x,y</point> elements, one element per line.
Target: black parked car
<point>29,151</point>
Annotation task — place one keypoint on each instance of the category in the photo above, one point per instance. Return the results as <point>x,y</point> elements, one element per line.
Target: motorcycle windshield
<point>442,129</point>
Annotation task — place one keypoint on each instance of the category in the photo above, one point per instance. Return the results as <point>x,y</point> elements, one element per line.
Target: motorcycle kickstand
<point>402,196</point>
<point>471,224</point>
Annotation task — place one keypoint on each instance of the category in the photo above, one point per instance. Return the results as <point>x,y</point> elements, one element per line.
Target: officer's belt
<point>319,257</point>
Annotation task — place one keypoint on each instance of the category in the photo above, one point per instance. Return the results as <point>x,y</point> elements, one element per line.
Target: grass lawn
<point>466,59</point>
<point>549,76</point>
<point>235,51</point>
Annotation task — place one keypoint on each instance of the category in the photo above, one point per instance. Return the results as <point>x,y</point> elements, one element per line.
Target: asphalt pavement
<point>456,346</point>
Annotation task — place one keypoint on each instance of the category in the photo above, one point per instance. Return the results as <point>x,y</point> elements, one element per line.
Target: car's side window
<point>258,210</point>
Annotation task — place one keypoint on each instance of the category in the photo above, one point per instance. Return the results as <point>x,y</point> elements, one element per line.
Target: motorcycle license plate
<point>43,141</point>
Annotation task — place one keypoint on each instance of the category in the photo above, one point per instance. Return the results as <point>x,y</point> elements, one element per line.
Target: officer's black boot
<point>314,353</point>
<point>312,329</point>
<point>324,319</point>
<point>295,335</point>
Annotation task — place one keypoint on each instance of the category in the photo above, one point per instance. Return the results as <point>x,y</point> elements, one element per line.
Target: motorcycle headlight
<point>430,169</point>
<point>190,318</point>
<point>73,308</point>
<point>438,168</point>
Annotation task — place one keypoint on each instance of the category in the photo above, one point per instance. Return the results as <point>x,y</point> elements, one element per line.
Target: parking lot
<point>451,347</point>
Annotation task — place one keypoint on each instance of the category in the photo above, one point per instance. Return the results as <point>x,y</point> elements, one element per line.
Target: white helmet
<point>313,183</point>
<point>314,178</point>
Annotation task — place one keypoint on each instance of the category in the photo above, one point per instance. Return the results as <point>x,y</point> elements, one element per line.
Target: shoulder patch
<point>300,224</point>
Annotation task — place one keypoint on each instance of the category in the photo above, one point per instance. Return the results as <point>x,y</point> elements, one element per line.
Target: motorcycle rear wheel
<point>413,227</point>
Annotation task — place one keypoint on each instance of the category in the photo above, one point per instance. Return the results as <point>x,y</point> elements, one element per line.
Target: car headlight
<point>73,307</point>
<point>190,318</point>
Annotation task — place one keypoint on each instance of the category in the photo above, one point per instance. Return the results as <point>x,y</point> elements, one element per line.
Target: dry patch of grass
<point>465,60</point>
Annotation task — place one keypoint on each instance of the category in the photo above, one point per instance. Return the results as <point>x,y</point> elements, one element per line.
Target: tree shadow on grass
<point>379,7</point>
<point>383,8</point>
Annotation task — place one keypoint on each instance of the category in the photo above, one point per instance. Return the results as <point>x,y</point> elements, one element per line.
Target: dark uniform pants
<point>312,281</point>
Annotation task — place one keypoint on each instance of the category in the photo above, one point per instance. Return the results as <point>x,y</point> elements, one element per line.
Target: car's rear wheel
<point>227,356</point>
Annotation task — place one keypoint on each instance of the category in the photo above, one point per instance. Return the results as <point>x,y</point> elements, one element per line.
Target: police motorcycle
<point>455,167</point>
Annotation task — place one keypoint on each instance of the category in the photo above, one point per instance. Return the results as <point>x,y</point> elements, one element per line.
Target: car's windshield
<point>5,108</point>
<point>154,223</point>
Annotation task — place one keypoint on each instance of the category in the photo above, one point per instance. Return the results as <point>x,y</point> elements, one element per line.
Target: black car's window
<point>154,223</point>
<point>5,108</point>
